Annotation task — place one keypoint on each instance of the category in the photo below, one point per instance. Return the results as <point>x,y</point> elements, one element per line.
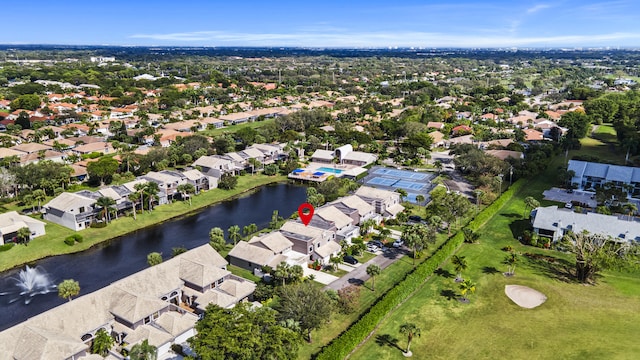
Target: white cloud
<point>536,8</point>
<point>384,39</point>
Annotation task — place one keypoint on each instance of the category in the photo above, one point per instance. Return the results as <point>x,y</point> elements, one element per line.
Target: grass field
<point>233,128</point>
<point>52,243</point>
<point>576,322</point>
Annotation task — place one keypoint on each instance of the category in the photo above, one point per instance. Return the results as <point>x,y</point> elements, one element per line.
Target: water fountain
<point>30,282</point>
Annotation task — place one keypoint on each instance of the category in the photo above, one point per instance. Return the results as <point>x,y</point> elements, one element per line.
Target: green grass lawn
<point>606,152</point>
<point>52,243</point>
<point>576,322</point>
<point>233,128</point>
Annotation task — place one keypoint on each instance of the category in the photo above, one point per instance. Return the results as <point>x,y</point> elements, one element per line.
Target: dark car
<point>350,259</point>
<point>415,218</point>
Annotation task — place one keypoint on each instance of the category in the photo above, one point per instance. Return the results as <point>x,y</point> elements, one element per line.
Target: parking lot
<point>577,196</point>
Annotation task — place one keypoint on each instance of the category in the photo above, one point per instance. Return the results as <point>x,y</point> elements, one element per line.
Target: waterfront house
<point>266,250</point>
<point>160,304</point>
<point>70,210</point>
<point>316,243</point>
<point>215,165</point>
<point>11,222</point>
<point>357,209</point>
<point>344,227</point>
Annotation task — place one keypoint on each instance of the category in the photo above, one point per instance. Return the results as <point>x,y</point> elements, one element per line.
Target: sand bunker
<point>524,296</point>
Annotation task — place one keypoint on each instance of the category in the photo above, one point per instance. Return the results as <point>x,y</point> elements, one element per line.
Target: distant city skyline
<point>336,24</point>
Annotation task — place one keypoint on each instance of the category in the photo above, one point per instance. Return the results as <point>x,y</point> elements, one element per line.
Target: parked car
<point>415,218</point>
<point>568,205</point>
<point>398,243</point>
<point>376,243</point>
<point>350,259</point>
<point>372,247</point>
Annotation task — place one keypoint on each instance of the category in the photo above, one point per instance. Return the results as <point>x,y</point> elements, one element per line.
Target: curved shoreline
<point>94,236</point>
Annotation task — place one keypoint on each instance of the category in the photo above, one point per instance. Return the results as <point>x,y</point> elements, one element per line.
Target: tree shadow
<point>518,227</point>
<point>354,281</point>
<point>552,267</point>
<point>444,273</point>
<point>387,340</point>
<point>490,270</point>
<point>511,215</point>
<point>449,294</point>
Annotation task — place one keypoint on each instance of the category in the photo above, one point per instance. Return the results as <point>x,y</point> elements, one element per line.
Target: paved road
<point>359,275</point>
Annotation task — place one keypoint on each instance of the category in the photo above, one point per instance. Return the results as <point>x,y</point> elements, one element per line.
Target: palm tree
<point>68,289</point>
<point>411,330</point>
<point>403,193</point>
<point>39,196</point>
<point>134,197</point>
<point>530,203</point>
<point>630,208</point>
<point>254,163</point>
<point>23,235</point>
<point>28,200</point>
<point>140,189</point>
<point>467,287</point>
<point>367,225</point>
<point>459,264</point>
<point>105,203</point>
<point>234,233</point>
<point>282,271</point>
<point>186,190</point>
<point>335,261</point>
<point>151,189</point>
<point>420,198</point>
<point>511,261</point>
<point>373,270</point>
<point>102,343</point>
<point>438,165</point>
<point>143,351</point>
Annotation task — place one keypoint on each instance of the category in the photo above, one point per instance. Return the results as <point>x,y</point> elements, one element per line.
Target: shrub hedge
<point>6,247</point>
<point>341,346</point>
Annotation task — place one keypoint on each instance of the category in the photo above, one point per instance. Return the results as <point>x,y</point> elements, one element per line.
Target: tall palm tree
<point>282,271</point>
<point>140,187</point>
<point>39,196</point>
<point>411,330</point>
<point>134,197</point>
<point>105,203</point>
<point>151,189</point>
<point>234,233</point>
<point>459,264</point>
<point>102,343</point>
<point>630,208</point>
<point>420,199</point>
<point>373,270</point>
<point>143,351</point>
<point>186,190</point>
<point>23,235</point>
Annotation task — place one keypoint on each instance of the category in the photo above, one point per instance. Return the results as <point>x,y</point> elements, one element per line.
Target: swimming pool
<point>329,170</point>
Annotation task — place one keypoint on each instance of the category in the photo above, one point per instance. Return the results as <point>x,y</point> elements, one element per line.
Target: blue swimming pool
<point>329,170</point>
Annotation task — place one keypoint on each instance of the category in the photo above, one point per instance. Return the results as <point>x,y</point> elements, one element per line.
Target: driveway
<point>561,195</point>
<point>321,277</point>
<point>359,275</point>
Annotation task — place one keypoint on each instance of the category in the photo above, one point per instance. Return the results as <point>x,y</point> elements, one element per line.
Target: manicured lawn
<point>366,256</point>
<point>606,133</point>
<point>233,128</point>
<point>244,273</point>
<point>52,243</point>
<point>610,153</point>
<point>576,322</point>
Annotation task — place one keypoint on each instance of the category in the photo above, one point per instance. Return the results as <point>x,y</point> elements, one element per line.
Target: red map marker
<point>305,217</point>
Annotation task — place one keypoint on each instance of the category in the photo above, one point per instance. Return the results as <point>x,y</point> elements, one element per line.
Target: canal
<point>120,257</point>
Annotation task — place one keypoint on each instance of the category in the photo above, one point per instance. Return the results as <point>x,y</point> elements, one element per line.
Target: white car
<point>398,243</point>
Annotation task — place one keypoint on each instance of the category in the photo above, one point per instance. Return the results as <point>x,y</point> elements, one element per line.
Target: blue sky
<point>329,23</point>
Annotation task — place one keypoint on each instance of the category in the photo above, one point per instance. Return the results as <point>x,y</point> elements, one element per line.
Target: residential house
<point>266,250</point>
<point>215,165</point>
<point>357,209</point>
<point>345,229</point>
<point>168,182</point>
<point>11,222</point>
<point>199,180</point>
<point>159,304</point>
<point>533,135</point>
<point>322,156</point>
<point>438,139</point>
<point>317,244</point>
<point>385,203</point>
<point>95,147</point>
<point>70,210</point>
<point>505,154</point>
<point>590,176</point>
<point>271,152</point>
<point>238,118</point>
<point>435,125</point>
<point>554,223</point>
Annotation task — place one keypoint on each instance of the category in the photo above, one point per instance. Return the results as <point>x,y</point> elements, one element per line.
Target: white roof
<point>323,154</point>
<point>273,241</point>
<point>357,203</point>
<point>68,201</point>
<point>193,174</point>
<point>331,213</point>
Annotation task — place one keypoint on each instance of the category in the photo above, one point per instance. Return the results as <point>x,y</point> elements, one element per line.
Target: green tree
<point>403,194</point>
<point>68,289</point>
<point>373,270</point>
<point>154,258</point>
<point>470,236</point>
<point>186,190</point>
<point>102,342</point>
<point>249,229</point>
<point>234,233</point>
<point>216,239</point>
<point>105,203</point>
<point>256,334</point>
<point>282,272</point>
<point>228,182</point>
<point>23,236</point>
<point>273,224</point>
<point>530,203</point>
<point>143,351</point>
<point>420,199</point>
<point>151,190</point>
<point>305,304</point>
<point>417,237</point>
<point>134,197</point>
<point>103,169</point>
<point>26,102</point>
<point>335,261</point>
<point>411,330</point>
<point>459,264</point>
<point>596,252</point>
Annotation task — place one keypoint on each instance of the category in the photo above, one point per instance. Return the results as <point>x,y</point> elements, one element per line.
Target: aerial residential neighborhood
<point>319,181</point>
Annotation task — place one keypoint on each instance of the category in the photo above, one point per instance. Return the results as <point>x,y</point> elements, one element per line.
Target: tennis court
<point>382,181</point>
<point>408,185</point>
<point>400,174</point>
